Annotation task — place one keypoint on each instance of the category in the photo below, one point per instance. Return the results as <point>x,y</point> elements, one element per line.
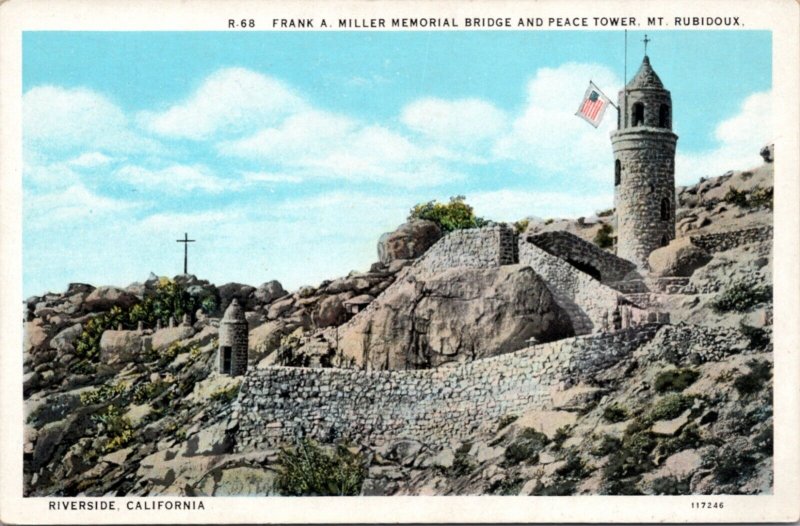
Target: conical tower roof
<point>234,313</point>
<point>645,77</point>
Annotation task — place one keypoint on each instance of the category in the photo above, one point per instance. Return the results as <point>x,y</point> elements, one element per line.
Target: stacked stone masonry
<point>278,404</point>
<point>589,304</point>
<point>721,241</point>
<point>584,255</point>
<point>475,248</point>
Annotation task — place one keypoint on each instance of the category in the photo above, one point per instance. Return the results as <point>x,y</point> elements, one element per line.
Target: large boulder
<point>64,341</point>
<point>457,315</point>
<point>104,298</point>
<point>679,258</point>
<point>331,311</point>
<point>269,292</point>
<point>265,338</point>
<point>409,241</point>
<point>242,293</point>
<point>121,346</point>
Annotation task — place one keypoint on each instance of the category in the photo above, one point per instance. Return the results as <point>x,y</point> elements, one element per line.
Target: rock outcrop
<point>409,241</point>
<point>679,258</point>
<point>426,320</point>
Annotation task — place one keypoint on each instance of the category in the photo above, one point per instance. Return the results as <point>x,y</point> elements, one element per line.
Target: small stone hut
<point>232,354</point>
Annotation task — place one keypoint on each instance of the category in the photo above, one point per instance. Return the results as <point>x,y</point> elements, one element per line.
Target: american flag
<point>593,105</point>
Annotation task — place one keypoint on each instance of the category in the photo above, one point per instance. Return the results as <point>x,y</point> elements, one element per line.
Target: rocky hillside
<point>121,396</point>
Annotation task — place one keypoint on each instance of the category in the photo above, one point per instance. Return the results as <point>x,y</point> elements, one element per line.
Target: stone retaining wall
<point>437,406</point>
<point>721,241</point>
<point>486,247</point>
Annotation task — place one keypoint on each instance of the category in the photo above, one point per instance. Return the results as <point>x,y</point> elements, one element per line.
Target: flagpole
<point>625,85</point>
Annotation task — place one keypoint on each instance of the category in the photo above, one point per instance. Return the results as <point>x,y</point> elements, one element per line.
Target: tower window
<point>663,116</point>
<point>665,209</point>
<point>663,241</point>
<point>617,172</point>
<point>638,114</point>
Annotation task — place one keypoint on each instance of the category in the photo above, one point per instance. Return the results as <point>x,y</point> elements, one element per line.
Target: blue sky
<point>286,154</point>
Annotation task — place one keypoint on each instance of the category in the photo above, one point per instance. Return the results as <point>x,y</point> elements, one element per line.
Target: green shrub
<point>689,438</point>
<point>567,477</point>
<point>675,380</point>
<point>310,470</point>
<point>753,382</point>
<point>626,486</point>
<point>225,394</point>
<point>508,486</point>
<point>607,445</point>
<point>670,406</point>
<point>741,297</point>
<point>102,394</point>
<point>117,427</point>
<point>605,213</point>
<point>549,221</point>
<point>521,225</point>
<point>731,464</point>
<point>759,339</point>
<point>506,421</point>
<point>615,413</point>
<point>455,215</point>
<point>462,464</point>
<point>756,198</point>
<point>561,436</point>
<point>603,238</point>
<point>763,441</point>
<point>525,448</point>
<point>145,392</point>
<point>671,486</point>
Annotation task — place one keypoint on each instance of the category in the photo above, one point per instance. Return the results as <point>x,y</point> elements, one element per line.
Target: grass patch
<point>309,469</point>
<point>689,438</point>
<point>561,435</point>
<point>675,380</point>
<point>731,465</point>
<point>741,297</point>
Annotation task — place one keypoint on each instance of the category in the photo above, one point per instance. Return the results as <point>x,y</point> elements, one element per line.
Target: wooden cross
<point>645,40</point>
<point>185,242</point>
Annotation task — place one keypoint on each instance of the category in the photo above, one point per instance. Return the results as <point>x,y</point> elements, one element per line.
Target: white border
<point>782,17</point>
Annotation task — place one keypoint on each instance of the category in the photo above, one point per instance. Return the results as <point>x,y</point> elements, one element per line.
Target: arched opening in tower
<point>585,268</point>
<point>638,114</point>
<point>663,116</point>
<point>664,241</point>
<point>226,359</point>
<point>664,209</point>
<point>617,172</point>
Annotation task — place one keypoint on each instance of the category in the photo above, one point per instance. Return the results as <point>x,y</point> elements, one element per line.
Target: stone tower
<point>644,167</point>
<point>232,354</point>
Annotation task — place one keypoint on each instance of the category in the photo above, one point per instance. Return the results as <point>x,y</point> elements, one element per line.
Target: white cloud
<point>267,177</point>
<point>75,203</point>
<point>324,145</point>
<point>231,100</point>
<point>170,221</point>
<point>56,118</point>
<point>90,160</point>
<point>739,138</point>
<point>513,205</point>
<point>547,135</point>
<point>174,179</point>
<point>463,122</point>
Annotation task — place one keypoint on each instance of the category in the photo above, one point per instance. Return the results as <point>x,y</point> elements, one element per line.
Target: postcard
<point>407,262</point>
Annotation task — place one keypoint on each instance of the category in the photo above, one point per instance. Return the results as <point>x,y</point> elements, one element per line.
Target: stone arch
<point>617,172</point>
<point>663,116</point>
<point>638,114</point>
<point>664,240</point>
<point>664,209</point>
<point>586,268</point>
